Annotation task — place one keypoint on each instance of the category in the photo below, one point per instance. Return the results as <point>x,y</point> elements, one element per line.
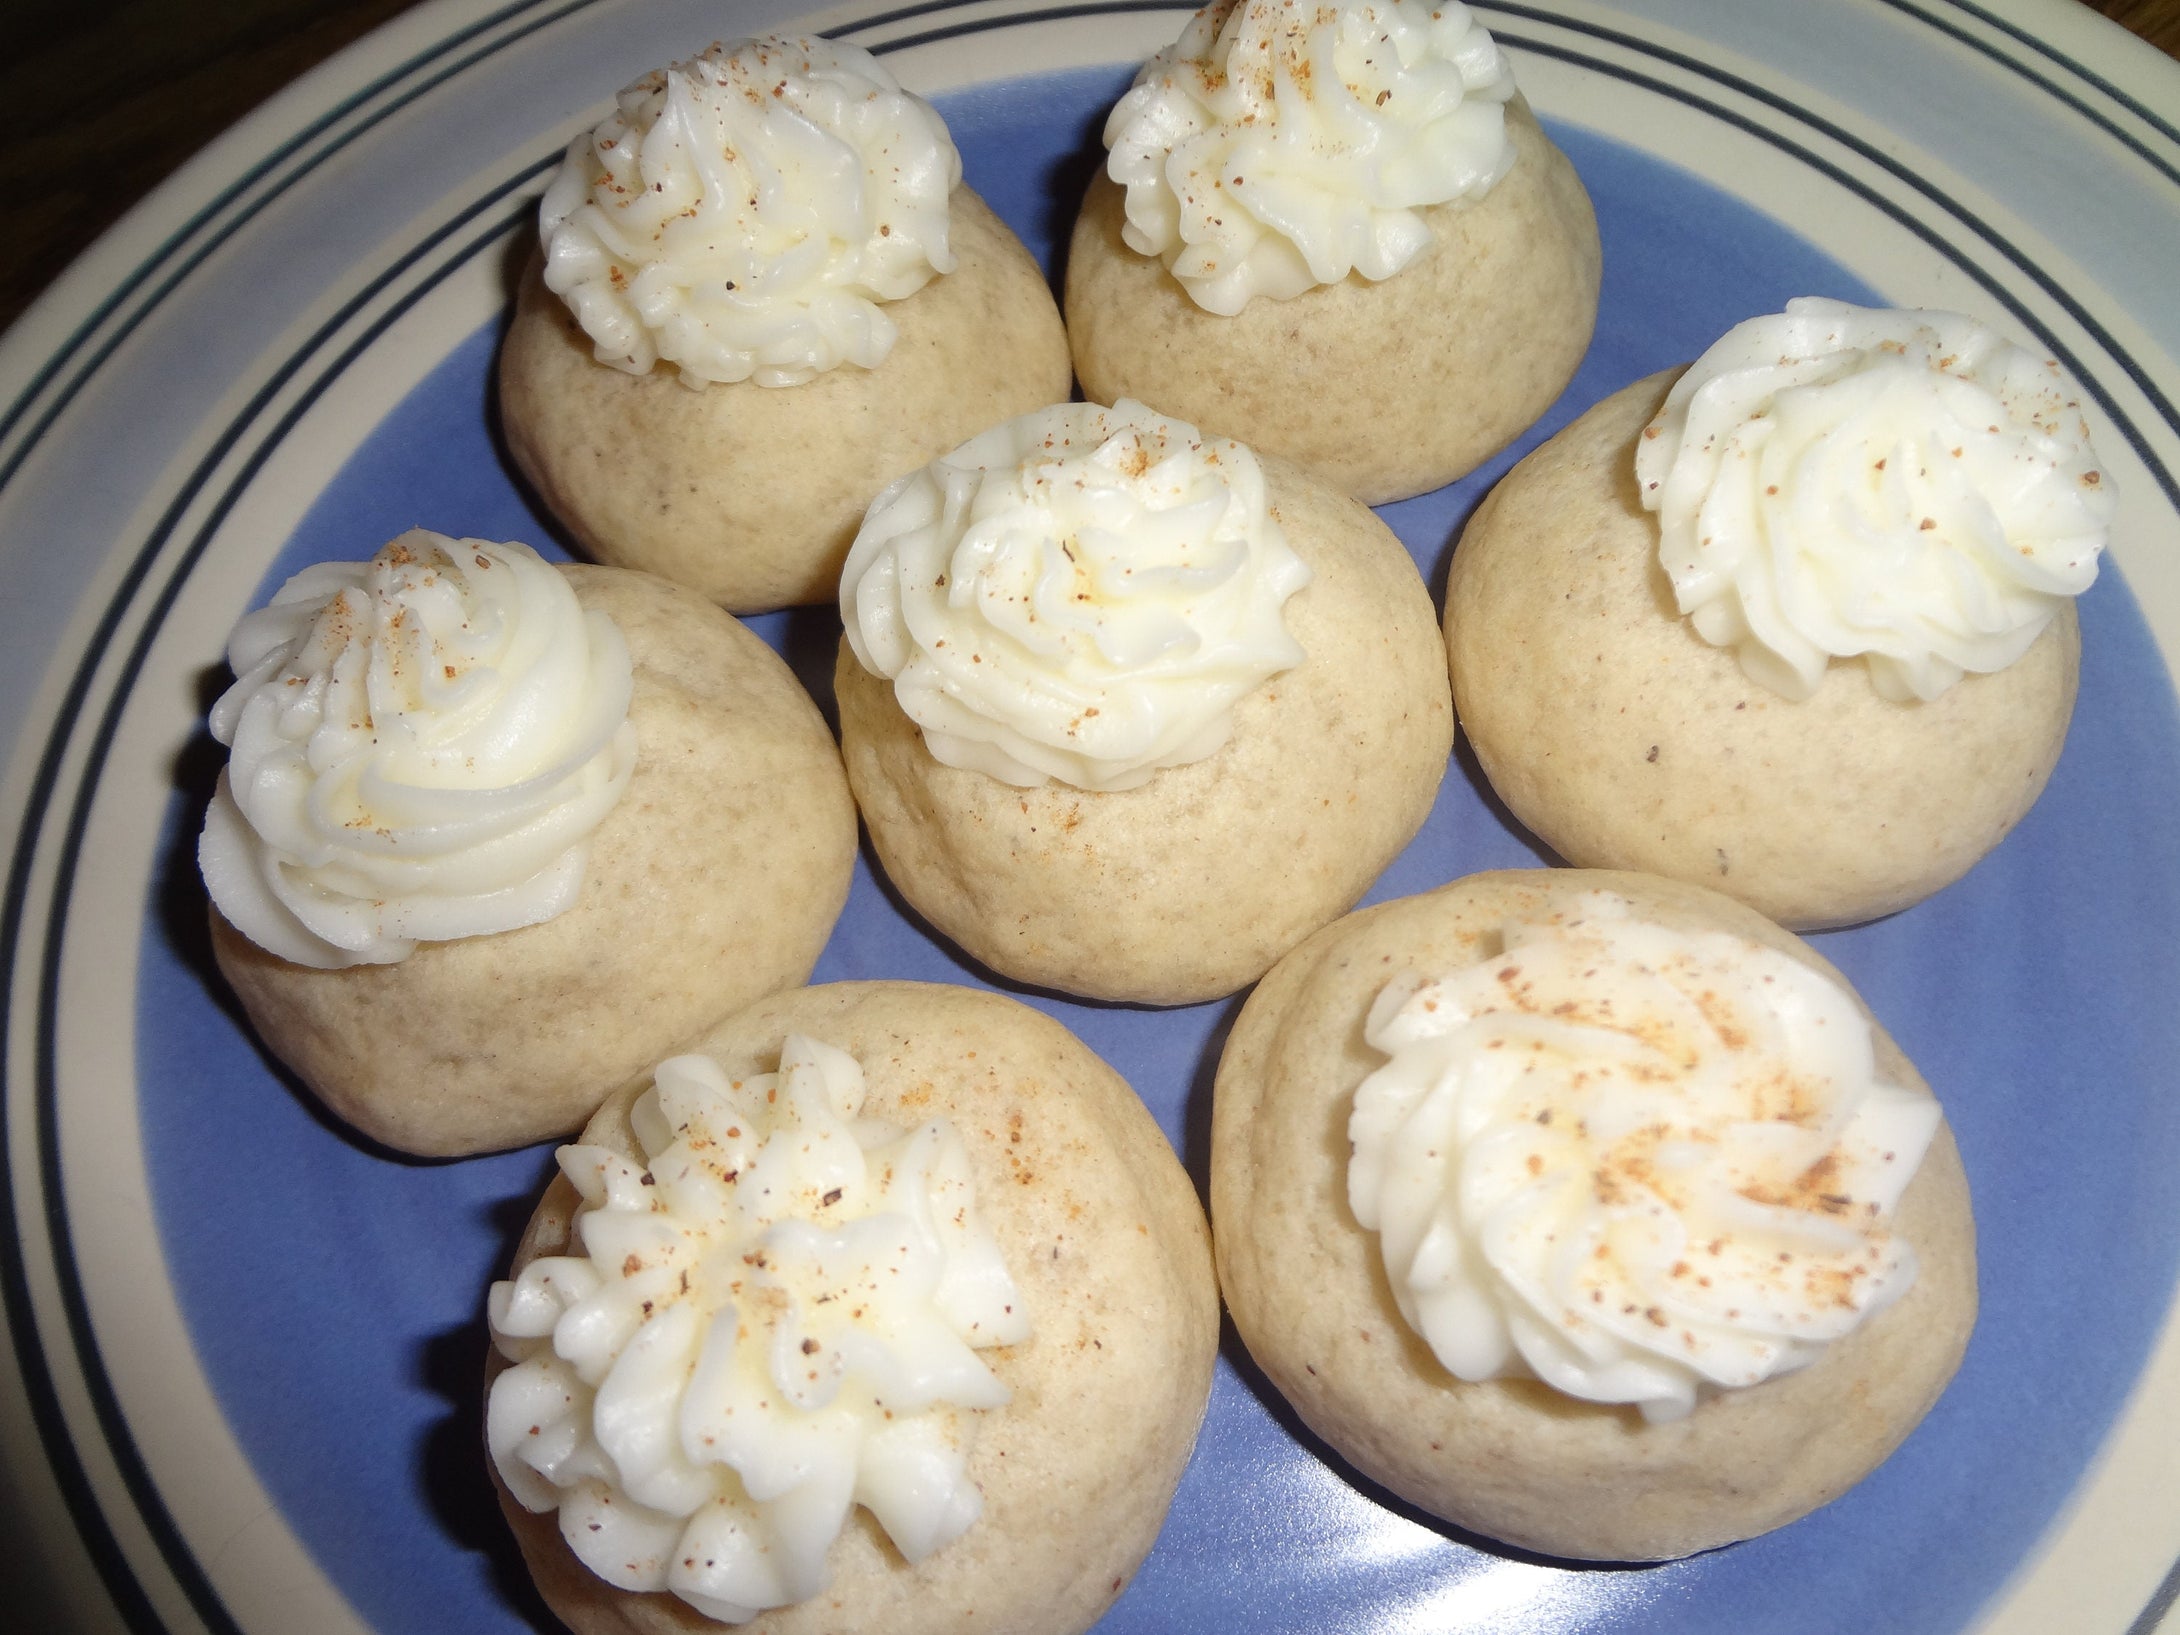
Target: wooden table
<point>108,98</point>
<point>2157,21</point>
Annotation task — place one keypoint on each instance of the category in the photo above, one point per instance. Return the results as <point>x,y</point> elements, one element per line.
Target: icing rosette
<point>1906,487</point>
<point>420,747</point>
<point>1079,594</point>
<point>1282,144</point>
<point>1636,1163</point>
<point>746,214</point>
<point>771,1319</point>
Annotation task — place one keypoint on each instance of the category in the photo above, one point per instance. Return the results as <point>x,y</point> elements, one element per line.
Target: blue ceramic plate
<point>247,1348</point>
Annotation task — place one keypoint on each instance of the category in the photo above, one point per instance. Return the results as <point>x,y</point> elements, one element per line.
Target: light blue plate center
<point>335,1295</point>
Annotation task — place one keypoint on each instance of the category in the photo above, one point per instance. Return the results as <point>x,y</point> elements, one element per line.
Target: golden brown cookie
<point>1625,740</point>
<point>1384,390</point>
<point>1105,1240</point>
<point>1189,886</point>
<point>716,879</point>
<point>750,494</point>
<point>1510,1458</point>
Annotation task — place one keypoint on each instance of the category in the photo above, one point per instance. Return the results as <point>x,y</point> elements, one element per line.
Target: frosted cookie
<point>1802,628</point>
<point>763,295</point>
<point>1336,233</point>
<point>495,836</point>
<point>890,1309</point>
<point>1590,1212</point>
<point>1128,712</point>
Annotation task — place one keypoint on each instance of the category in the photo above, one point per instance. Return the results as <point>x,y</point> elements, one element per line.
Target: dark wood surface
<point>108,97</point>
<point>2157,21</point>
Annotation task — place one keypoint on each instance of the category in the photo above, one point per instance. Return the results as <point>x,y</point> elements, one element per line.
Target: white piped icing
<point>1909,487</point>
<point>1282,144</point>
<point>420,748</point>
<point>772,1318</point>
<point>745,215</point>
<point>1081,593</point>
<point>1635,1163</point>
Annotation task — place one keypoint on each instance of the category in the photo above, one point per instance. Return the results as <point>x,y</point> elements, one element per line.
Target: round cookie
<point>1105,1240</point>
<point>715,879</point>
<point>751,494</point>
<point>1383,389</point>
<point>1625,740</point>
<point>1512,1459</point>
<point>1189,886</point>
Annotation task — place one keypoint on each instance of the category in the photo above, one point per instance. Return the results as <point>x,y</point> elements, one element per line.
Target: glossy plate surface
<point>247,1349</point>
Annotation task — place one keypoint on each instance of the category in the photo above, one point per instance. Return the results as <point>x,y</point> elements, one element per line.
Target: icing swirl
<point>743,215</point>
<point>1081,594</point>
<point>771,1319</point>
<point>1282,144</point>
<point>1634,1163</point>
<point>421,746</point>
<point>1909,487</point>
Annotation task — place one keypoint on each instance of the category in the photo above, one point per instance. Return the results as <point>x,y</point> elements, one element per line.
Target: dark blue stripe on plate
<point>1904,173</point>
<point>2160,1603</point>
<point>1044,14</point>
<point>2074,66</point>
<point>120,1579</point>
<point>2089,111</point>
<point>69,1474</point>
<point>172,246</point>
